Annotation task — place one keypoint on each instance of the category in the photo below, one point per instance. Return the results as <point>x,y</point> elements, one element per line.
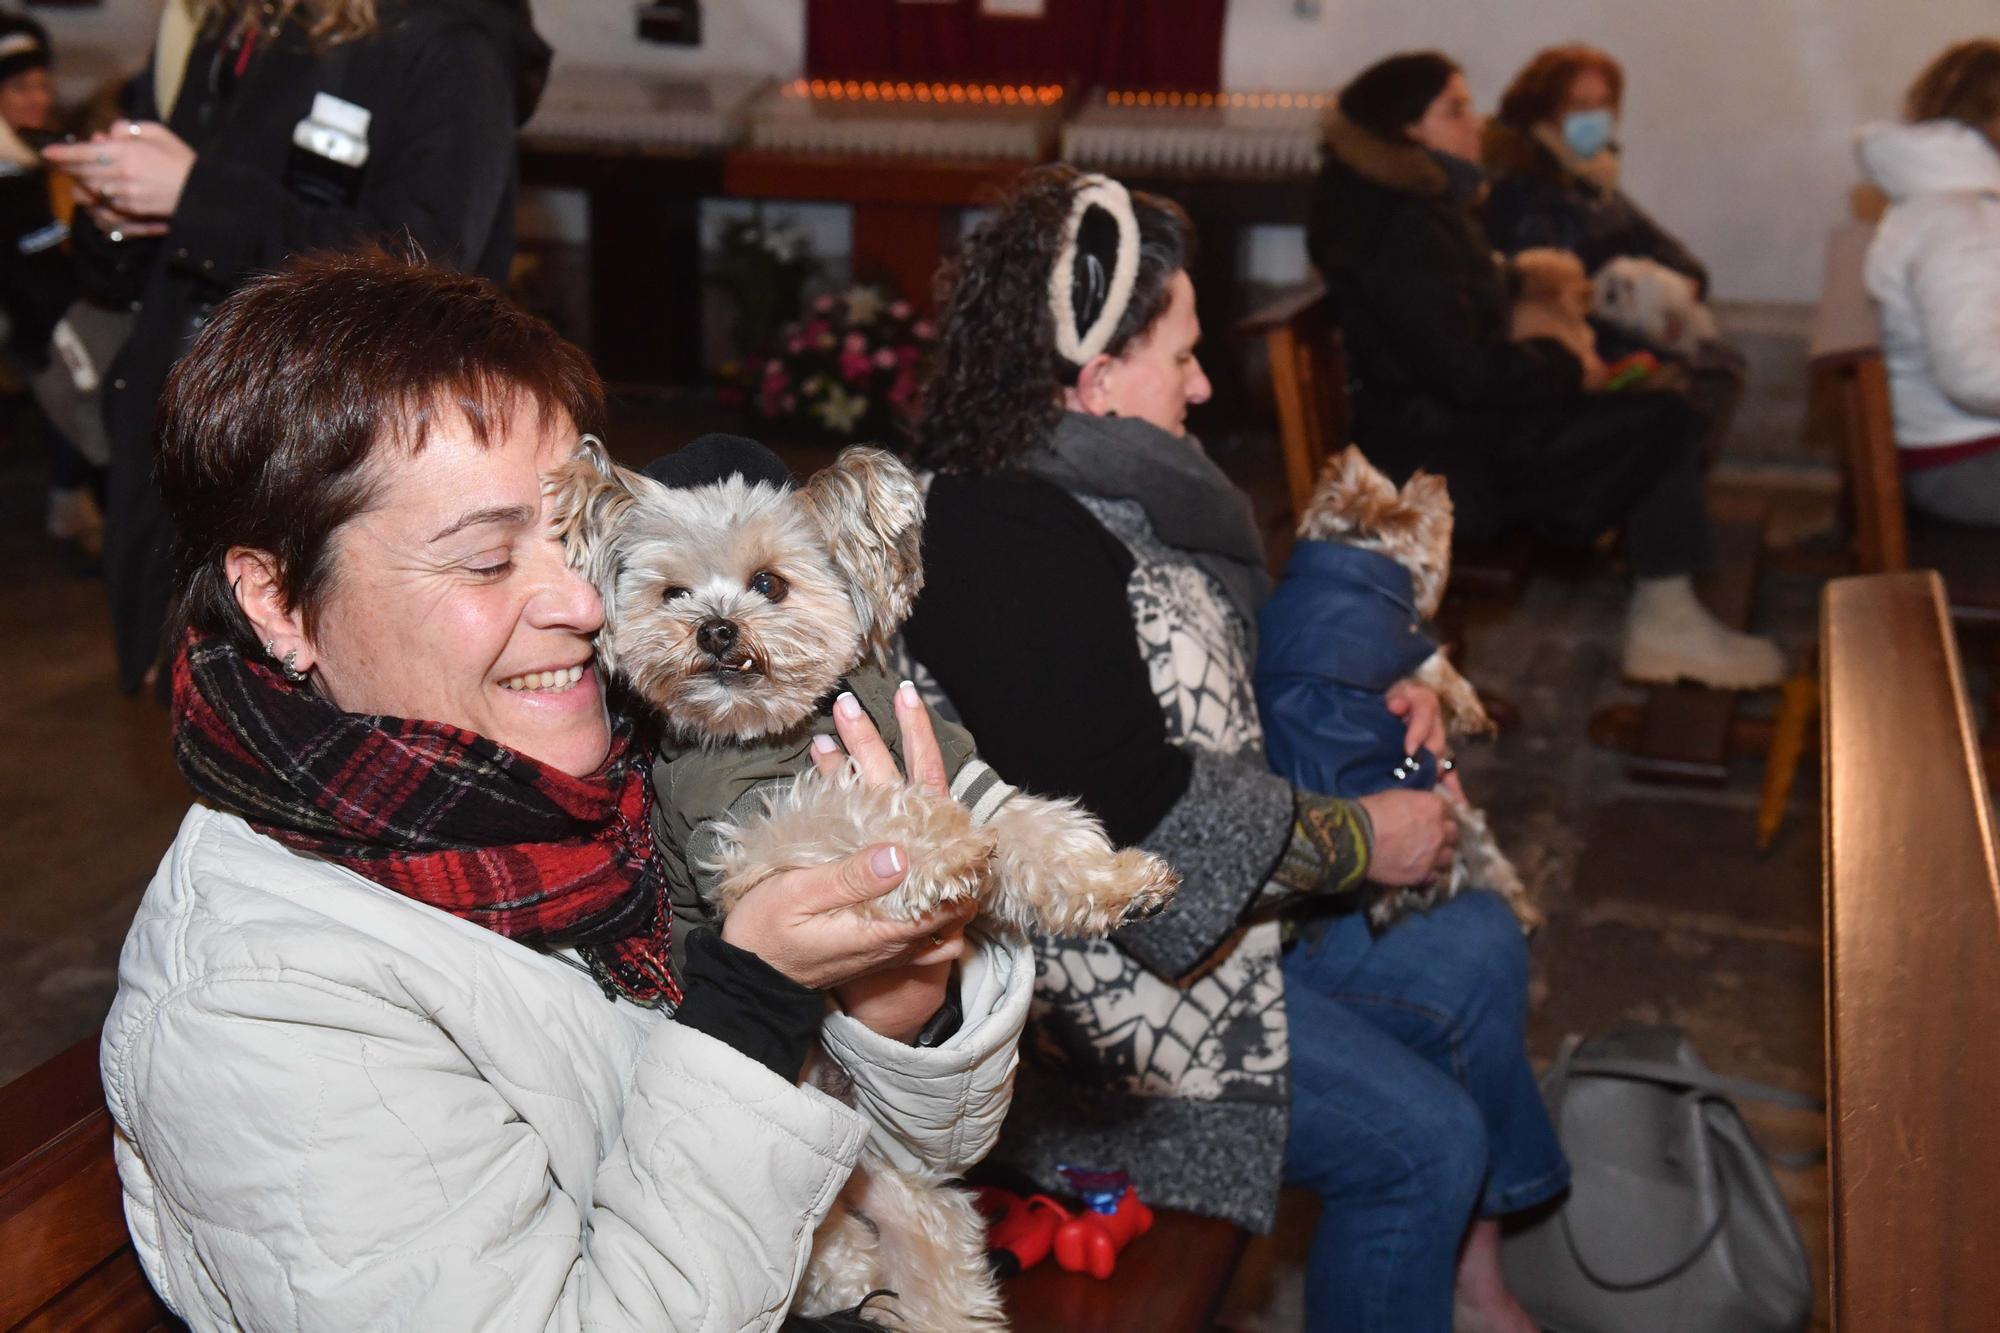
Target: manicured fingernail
<point>886,861</point>
<point>825,744</point>
<point>906,695</point>
<point>847,706</point>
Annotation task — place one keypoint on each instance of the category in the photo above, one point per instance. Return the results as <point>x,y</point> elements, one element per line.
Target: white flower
<point>864,305</point>
<point>783,244</point>
<point>840,410</point>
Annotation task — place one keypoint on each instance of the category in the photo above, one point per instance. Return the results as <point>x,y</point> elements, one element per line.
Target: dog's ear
<point>1348,498</point>
<point>870,511</point>
<point>588,495</point>
<point>1426,491</point>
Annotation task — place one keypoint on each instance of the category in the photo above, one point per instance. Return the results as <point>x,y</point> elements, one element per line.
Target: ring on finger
<point>116,236</point>
<point>132,128</point>
<point>937,938</point>
<point>103,158</point>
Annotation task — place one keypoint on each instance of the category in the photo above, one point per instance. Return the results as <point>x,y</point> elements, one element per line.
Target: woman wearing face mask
<point>1553,155</point>
<point>1515,427</point>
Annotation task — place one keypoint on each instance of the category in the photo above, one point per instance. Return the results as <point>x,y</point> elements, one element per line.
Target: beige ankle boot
<point>1670,636</point>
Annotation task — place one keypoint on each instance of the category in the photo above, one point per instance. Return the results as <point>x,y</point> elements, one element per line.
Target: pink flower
<point>816,330</point>
<point>790,401</point>
<point>900,310</point>
<point>775,377</point>
<point>824,305</point>
<point>795,346</point>
<point>854,342</point>
<point>854,362</point>
<point>886,358</point>
<point>924,329</point>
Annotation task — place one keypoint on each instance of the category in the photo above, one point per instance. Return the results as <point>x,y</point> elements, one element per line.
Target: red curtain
<point>1170,44</point>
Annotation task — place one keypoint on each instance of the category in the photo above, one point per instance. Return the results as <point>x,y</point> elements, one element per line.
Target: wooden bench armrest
<point>1281,309</point>
<point>1912,967</point>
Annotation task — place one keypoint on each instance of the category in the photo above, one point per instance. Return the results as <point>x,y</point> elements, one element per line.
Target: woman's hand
<point>888,975</point>
<point>1414,836</point>
<point>132,175</point>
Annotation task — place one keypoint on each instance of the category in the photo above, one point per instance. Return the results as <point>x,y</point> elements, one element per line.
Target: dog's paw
<point>1056,873</point>
<point>951,859</point>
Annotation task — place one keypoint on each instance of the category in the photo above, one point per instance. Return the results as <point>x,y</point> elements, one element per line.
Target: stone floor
<point>1661,909</point>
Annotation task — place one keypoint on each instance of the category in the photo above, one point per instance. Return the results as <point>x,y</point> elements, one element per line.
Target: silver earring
<point>289,664</point>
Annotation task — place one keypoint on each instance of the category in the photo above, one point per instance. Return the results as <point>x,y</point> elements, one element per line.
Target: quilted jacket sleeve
<point>940,1108</point>
<point>1955,290</point>
<point>335,1163</point>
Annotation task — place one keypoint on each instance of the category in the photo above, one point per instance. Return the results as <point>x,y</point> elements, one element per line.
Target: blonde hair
<point>327,22</point>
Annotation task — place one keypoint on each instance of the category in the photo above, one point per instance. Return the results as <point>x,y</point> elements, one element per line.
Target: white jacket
<point>340,1109</point>
<point>1934,271</point>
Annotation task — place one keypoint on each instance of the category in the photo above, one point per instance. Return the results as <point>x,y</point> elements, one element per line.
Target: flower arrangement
<point>847,367</point>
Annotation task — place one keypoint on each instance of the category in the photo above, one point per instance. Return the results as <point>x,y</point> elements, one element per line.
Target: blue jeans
<point>1413,1107</point>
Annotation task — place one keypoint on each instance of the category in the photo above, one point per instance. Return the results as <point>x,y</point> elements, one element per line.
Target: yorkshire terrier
<point>1552,300</point>
<point>1354,506</point>
<point>736,607</point>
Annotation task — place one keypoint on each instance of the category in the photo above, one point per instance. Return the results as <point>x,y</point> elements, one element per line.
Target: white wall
<point>1739,113</point>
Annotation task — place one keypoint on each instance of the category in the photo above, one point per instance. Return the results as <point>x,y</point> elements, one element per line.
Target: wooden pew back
<point>1308,382</point>
<point>1847,361</point>
<point>1912,967</point>
<point>66,1261</point>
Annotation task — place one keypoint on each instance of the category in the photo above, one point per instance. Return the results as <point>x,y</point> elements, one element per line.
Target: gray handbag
<point>1673,1222</point>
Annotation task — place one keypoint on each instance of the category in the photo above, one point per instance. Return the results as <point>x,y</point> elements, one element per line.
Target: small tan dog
<point>1552,299</point>
<point>736,606</point>
<point>1376,610</point>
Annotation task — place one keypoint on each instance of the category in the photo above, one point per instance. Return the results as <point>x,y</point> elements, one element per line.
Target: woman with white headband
<point>1092,586</point>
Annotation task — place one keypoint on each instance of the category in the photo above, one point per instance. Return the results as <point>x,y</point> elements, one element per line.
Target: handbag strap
<point>1699,1080</point>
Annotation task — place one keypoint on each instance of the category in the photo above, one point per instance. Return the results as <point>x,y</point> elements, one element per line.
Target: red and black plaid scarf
<point>436,813</point>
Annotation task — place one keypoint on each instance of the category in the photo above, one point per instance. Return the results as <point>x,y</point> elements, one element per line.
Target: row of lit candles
<point>1026,94</point>
<point>1261,101</point>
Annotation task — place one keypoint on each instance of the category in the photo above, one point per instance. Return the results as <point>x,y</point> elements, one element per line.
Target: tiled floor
<point>1661,910</point>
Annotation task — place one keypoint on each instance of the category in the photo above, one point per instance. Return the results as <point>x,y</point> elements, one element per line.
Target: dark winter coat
<point>1341,629</point>
<point>1424,308</point>
<point>1538,200</point>
<point>446,82</point>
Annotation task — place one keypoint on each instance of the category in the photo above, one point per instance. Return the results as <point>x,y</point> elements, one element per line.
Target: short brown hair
<point>1962,84</point>
<point>1539,90</point>
<point>268,422</point>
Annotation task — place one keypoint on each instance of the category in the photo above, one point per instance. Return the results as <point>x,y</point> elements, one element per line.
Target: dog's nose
<point>715,636</point>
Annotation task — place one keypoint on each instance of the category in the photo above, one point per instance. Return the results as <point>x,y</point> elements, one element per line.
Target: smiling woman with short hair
<point>399,1039</point>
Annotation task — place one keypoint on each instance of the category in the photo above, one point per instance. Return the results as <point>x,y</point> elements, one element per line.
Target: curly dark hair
<point>996,379</point>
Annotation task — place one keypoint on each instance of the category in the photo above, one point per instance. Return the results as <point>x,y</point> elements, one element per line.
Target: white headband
<point>1078,346</point>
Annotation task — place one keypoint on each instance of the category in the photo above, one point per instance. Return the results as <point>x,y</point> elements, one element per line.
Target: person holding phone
<point>264,131</point>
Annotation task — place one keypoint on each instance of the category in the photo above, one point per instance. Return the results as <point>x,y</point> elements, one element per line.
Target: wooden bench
<point>1912,967</point>
<point>66,1261</point>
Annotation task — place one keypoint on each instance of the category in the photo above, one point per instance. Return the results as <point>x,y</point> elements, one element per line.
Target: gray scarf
<point>1191,505</point>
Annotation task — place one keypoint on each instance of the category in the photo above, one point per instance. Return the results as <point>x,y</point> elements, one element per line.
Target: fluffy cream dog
<point>737,606</point>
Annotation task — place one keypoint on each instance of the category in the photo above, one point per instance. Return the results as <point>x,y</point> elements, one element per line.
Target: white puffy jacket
<point>340,1109</point>
<point>1934,271</point>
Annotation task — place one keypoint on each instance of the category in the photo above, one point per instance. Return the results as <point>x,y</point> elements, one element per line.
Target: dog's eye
<point>771,587</point>
<point>674,593</point>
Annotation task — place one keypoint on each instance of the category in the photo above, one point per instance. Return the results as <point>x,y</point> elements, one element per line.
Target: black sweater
<point>1025,615</point>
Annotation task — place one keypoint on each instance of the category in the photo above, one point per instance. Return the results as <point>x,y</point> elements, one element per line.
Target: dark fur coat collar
<point>1402,167</point>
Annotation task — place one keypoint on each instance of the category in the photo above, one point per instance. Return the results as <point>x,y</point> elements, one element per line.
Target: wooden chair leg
<point>1797,708</point>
